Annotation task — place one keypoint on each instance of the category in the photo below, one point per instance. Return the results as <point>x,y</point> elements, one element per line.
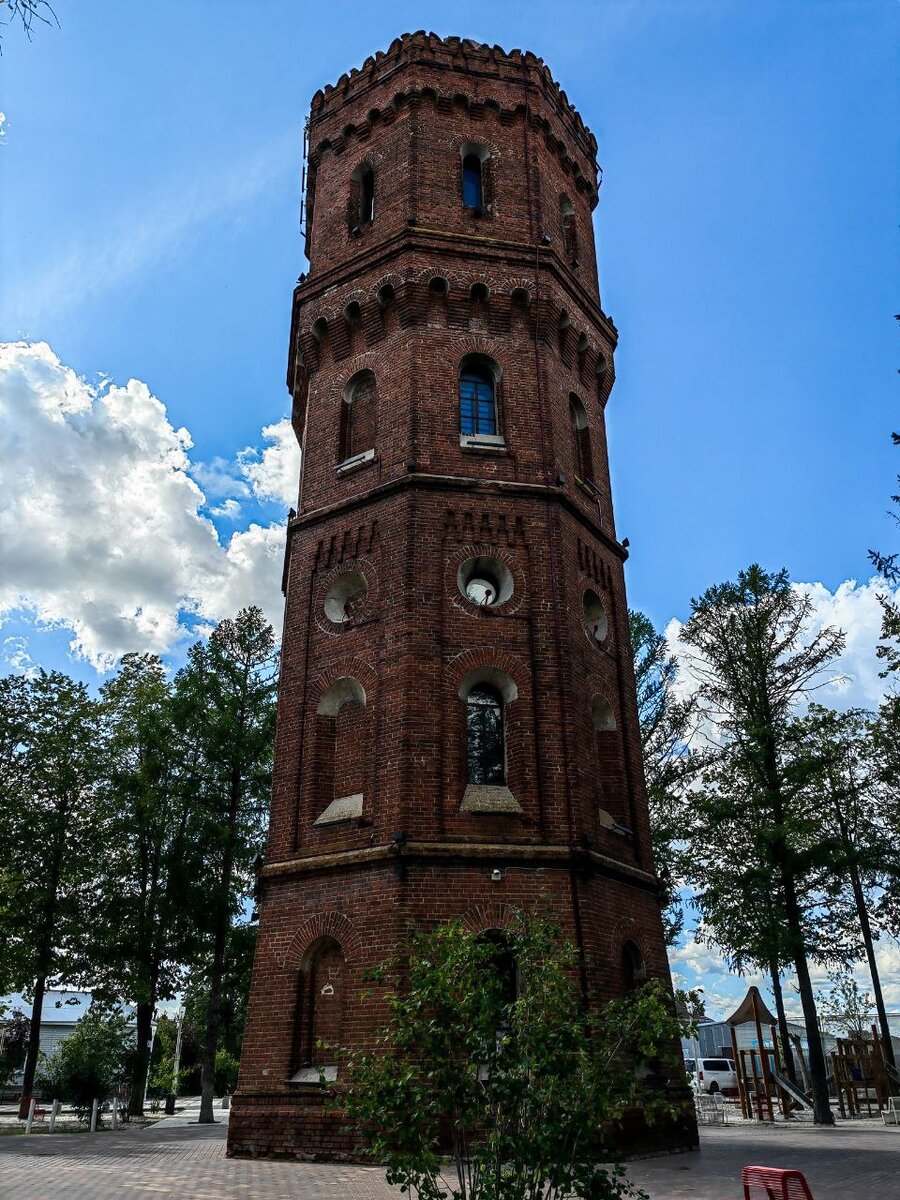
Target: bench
<point>776,1184</point>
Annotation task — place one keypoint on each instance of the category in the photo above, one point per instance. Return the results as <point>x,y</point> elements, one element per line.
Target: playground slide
<point>793,1091</point>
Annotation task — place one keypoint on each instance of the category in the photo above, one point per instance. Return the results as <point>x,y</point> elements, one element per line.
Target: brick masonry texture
<point>374,704</point>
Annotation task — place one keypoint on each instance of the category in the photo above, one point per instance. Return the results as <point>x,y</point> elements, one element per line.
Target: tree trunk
<point>144,1034</point>
<point>34,1045</point>
<point>213,1008</point>
<point>862,912</point>
<point>783,1025</point>
<point>822,1114</point>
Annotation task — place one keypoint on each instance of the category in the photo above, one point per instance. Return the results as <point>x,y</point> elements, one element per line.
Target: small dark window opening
<point>581,436</point>
<point>569,231</point>
<point>634,972</point>
<point>367,196</point>
<point>504,965</point>
<point>485,735</point>
<point>473,189</point>
<point>477,401</point>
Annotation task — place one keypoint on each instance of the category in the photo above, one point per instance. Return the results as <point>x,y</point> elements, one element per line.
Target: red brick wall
<point>406,521</point>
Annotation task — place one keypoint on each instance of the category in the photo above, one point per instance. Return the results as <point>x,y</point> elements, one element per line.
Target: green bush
<point>226,1073</point>
<point>89,1065</point>
<point>491,1045</point>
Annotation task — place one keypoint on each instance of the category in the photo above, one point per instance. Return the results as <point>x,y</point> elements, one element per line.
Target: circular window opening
<point>438,285</point>
<point>595,619</point>
<point>345,597</point>
<point>485,581</point>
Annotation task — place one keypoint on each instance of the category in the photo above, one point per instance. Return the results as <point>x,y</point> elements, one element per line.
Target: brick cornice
<point>458,483</point>
<point>462,853</point>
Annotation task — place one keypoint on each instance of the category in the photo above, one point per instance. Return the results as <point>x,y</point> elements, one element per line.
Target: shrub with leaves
<point>90,1064</point>
<point>489,1049</point>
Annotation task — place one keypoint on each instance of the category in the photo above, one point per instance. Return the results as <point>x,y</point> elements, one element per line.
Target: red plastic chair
<point>777,1184</point>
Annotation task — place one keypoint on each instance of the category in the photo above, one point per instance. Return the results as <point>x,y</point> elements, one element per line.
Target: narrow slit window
<point>367,196</point>
<point>581,437</point>
<point>477,401</point>
<point>473,187</point>
<point>569,231</point>
<point>485,736</point>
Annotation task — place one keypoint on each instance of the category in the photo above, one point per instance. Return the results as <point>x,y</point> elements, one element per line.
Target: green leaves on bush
<point>489,1048</point>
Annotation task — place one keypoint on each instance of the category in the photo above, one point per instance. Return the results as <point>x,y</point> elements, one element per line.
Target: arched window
<point>319,1013</point>
<point>358,416</point>
<point>367,196</point>
<point>569,232</point>
<point>503,962</point>
<point>473,190</point>
<point>485,735</point>
<point>342,751</point>
<point>581,438</point>
<point>477,398</point>
<point>361,206</point>
<point>634,972</point>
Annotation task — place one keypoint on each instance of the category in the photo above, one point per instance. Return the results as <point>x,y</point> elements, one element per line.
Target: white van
<point>714,1075</point>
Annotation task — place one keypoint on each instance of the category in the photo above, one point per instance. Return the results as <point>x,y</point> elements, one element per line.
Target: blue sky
<point>150,174</point>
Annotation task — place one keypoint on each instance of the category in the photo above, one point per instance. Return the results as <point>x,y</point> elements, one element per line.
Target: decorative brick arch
<point>625,930</point>
<point>463,664</point>
<point>324,924</point>
<point>482,917</point>
<point>353,668</point>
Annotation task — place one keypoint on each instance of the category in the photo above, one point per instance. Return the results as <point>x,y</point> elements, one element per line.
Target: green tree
<point>14,1030</point>
<point>667,727</point>
<point>756,663</point>
<point>858,814</point>
<point>53,836</point>
<point>225,705</point>
<point>92,1063</point>
<point>888,565</point>
<point>529,1086</point>
<point>844,1008</point>
<point>150,870</point>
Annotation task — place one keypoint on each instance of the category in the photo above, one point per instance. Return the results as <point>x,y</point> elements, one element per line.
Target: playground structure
<point>860,1075</point>
<point>761,1083</point>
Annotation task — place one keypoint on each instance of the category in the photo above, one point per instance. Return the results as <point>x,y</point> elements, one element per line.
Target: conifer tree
<point>755,664</point>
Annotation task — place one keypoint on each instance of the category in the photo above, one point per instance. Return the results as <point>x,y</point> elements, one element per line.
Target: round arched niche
<point>485,581</point>
<point>345,597</point>
<point>602,715</point>
<point>345,690</point>
<point>596,621</point>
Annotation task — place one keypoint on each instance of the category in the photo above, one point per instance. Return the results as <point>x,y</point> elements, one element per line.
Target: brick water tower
<point>457,726</point>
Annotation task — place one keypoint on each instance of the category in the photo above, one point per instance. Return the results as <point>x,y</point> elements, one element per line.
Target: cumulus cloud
<point>273,474</point>
<point>695,965</point>
<point>103,530</point>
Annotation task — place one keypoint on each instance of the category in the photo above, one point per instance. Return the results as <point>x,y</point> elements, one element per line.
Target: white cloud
<point>274,474</point>
<point>14,655</point>
<point>102,530</point>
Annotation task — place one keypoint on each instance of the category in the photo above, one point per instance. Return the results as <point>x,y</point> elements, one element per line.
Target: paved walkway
<point>174,1158</point>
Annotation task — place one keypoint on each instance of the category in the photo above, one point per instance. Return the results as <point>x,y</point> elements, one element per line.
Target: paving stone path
<point>188,1161</point>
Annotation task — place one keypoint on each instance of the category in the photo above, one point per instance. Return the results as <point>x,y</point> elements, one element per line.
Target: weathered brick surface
<point>337,898</point>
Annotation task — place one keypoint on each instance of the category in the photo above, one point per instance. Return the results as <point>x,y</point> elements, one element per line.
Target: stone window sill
<point>314,1075</point>
<point>349,465</point>
<point>489,798</point>
<point>482,443</point>
<point>345,808</point>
